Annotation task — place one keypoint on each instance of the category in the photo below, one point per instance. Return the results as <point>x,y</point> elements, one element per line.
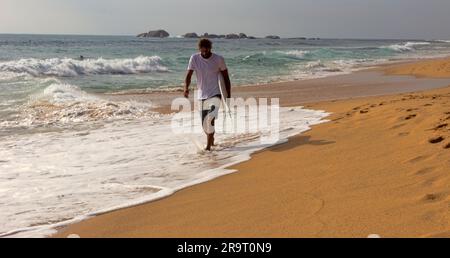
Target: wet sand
<point>380,166</point>
<point>372,82</point>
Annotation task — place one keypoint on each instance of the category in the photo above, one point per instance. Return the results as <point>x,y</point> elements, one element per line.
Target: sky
<point>393,19</point>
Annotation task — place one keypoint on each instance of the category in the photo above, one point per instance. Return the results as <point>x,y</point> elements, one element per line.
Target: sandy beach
<point>380,166</point>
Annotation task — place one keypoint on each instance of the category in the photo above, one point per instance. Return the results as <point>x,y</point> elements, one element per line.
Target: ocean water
<point>39,74</point>
<point>67,153</point>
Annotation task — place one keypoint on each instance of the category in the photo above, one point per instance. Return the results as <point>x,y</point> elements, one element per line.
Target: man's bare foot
<point>210,140</point>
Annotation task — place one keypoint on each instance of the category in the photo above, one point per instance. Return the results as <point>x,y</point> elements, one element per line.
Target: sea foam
<point>57,178</point>
<point>296,53</point>
<point>63,105</point>
<point>68,67</point>
<point>406,47</point>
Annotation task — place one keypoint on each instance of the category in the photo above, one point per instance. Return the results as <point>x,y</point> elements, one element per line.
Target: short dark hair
<point>205,43</point>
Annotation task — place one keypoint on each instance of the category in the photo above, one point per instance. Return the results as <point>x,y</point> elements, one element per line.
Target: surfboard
<point>224,93</point>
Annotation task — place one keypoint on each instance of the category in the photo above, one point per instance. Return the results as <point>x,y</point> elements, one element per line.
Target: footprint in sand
<point>418,159</point>
<point>398,126</point>
<point>436,139</point>
<point>365,111</point>
<point>434,197</point>
<point>440,126</point>
<point>410,117</point>
<point>424,171</point>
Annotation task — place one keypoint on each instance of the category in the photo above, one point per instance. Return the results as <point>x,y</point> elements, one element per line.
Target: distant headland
<point>192,35</point>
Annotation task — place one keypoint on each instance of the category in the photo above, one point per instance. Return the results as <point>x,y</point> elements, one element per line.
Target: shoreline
<point>293,143</point>
<point>365,68</point>
<point>367,82</point>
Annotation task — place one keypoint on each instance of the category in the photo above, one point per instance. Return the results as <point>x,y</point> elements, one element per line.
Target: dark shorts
<point>206,113</point>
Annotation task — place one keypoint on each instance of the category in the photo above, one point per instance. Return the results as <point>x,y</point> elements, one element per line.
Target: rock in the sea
<point>232,36</point>
<point>191,35</point>
<point>155,34</point>
<point>242,36</point>
<point>210,36</point>
<point>216,36</point>
<point>273,37</point>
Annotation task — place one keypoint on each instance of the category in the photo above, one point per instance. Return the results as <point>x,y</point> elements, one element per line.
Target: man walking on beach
<point>208,67</point>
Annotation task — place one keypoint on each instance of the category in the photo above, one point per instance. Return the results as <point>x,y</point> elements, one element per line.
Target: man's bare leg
<point>210,140</point>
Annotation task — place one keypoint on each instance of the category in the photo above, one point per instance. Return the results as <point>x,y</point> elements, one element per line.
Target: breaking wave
<point>67,67</point>
<point>406,47</point>
<point>64,104</point>
<point>296,53</point>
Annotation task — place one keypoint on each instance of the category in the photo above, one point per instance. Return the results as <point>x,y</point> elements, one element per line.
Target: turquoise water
<point>37,68</point>
<point>250,61</point>
<point>68,151</point>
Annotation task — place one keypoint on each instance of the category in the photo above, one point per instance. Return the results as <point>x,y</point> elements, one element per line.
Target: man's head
<point>205,47</point>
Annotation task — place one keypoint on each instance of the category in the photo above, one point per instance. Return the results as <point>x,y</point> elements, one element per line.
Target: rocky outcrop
<point>191,35</point>
<point>232,36</point>
<point>273,37</point>
<point>210,36</point>
<point>216,36</point>
<point>155,34</point>
<point>243,36</point>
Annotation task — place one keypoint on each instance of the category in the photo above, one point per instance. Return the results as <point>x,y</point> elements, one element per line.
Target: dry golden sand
<point>437,68</point>
<point>380,166</point>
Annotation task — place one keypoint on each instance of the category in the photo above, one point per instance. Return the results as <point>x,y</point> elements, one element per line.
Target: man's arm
<point>227,80</point>
<point>187,83</point>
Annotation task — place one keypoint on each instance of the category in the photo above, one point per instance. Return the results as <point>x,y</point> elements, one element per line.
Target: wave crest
<point>67,67</point>
<point>406,47</point>
<point>296,53</point>
<point>61,104</point>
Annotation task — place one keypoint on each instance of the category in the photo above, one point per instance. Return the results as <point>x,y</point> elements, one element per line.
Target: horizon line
<point>175,37</point>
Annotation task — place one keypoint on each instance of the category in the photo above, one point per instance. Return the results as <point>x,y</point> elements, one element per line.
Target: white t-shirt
<point>207,71</point>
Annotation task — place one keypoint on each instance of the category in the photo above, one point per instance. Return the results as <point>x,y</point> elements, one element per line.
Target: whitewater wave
<point>324,68</point>
<point>80,174</point>
<point>315,64</point>
<point>67,67</point>
<point>296,53</point>
<point>406,47</point>
<point>64,104</point>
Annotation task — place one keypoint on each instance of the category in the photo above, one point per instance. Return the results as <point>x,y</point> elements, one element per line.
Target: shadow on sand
<point>298,141</point>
